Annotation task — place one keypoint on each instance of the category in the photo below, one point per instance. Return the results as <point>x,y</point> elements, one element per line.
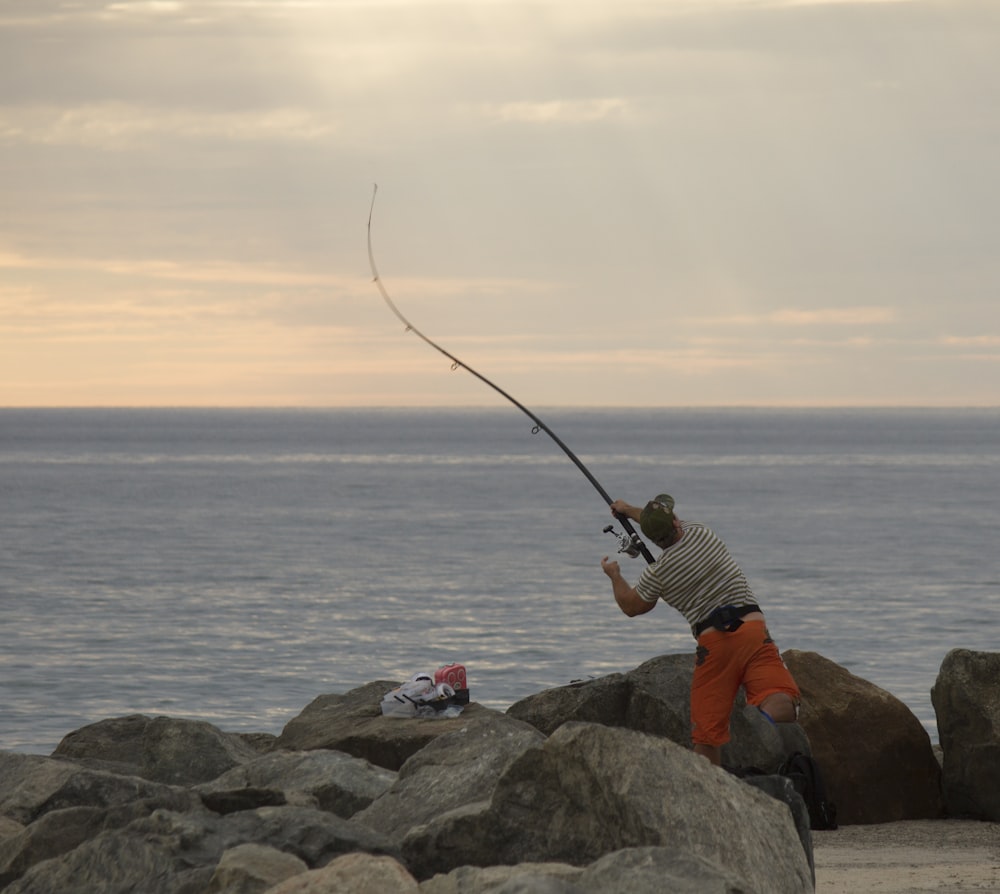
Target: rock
<point>53,834</point>
<point>356,873</point>
<point>457,768</point>
<point>353,723</point>
<point>110,863</point>
<point>643,870</point>
<point>966,699</point>
<point>163,749</point>
<point>652,870</point>
<point>234,800</point>
<point>590,790</point>
<point>656,698</point>
<point>757,742</point>
<point>875,756</point>
<point>32,785</point>
<point>781,788</point>
<point>65,805</point>
<point>329,780</point>
<point>660,702</point>
<point>9,828</point>
<point>168,852</point>
<point>529,877</point>
<point>252,869</point>
<point>602,700</point>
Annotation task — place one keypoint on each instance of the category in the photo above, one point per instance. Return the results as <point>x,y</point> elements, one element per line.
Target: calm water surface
<point>232,565</point>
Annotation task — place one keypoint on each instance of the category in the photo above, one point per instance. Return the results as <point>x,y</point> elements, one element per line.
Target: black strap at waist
<point>725,617</point>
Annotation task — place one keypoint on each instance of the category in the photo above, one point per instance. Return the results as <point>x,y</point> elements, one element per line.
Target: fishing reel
<point>630,546</point>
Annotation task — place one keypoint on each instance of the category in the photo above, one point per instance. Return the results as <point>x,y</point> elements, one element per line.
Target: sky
<point>590,202</point>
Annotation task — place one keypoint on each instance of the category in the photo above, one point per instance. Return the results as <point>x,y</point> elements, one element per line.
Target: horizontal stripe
<point>695,575</point>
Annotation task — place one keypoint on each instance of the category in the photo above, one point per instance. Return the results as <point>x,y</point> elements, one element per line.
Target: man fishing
<point>696,575</point>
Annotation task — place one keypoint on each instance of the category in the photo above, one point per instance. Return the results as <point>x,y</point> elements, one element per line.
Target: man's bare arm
<point>630,602</point>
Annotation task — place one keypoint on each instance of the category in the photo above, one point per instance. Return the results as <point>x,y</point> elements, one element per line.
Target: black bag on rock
<point>805,775</point>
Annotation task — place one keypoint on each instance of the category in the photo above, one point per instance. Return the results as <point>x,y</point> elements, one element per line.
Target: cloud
<point>581,111</point>
<point>116,126</point>
<point>826,316</point>
<point>221,272</point>
<point>833,316</point>
<point>976,341</point>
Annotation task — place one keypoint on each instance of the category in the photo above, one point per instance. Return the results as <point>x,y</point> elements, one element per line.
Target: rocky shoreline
<point>589,787</point>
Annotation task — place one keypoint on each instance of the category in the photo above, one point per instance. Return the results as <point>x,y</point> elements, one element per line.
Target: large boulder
<point>58,832</point>
<point>655,698</point>
<point>164,749</point>
<point>523,878</point>
<point>876,757</point>
<point>32,785</point>
<point>458,768</point>
<point>353,723</point>
<point>641,870</point>
<point>590,790</point>
<point>354,873</point>
<point>171,852</point>
<point>59,805</point>
<point>253,869</point>
<point>329,780</point>
<point>966,699</point>
<point>600,700</point>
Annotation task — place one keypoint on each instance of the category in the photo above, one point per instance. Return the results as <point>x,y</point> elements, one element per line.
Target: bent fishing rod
<point>628,542</point>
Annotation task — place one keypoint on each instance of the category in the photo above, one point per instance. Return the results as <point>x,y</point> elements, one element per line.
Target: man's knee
<point>780,707</point>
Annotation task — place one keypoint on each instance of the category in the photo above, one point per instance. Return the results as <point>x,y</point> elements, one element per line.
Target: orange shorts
<point>746,657</point>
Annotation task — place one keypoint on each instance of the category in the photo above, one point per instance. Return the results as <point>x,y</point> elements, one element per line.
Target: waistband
<point>725,617</point>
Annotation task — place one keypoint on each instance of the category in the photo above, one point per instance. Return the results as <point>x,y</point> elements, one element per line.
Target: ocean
<point>232,565</point>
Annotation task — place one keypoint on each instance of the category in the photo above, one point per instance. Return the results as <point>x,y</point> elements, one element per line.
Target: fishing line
<point>629,543</point>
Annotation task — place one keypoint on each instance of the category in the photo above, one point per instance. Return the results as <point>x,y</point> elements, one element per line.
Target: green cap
<point>657,518</point>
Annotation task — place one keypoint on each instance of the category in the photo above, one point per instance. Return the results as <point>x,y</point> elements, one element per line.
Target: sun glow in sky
<point>592,202</point>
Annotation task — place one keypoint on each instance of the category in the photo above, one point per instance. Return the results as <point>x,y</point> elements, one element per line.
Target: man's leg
<point>768,682</point>
<point>714,684</point>
<point>712,752</point>
<point>780,707</point>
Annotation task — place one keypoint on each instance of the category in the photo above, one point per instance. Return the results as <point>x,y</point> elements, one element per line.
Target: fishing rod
<point>628,542</point>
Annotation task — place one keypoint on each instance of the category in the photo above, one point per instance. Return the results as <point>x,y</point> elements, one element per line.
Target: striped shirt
<point>695,575</point>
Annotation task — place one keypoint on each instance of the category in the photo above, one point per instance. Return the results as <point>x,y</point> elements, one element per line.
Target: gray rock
<point>353,723</point>
<point>227,801</point>
<point>173,853</point>
<point>458,768</point>
<point>111,863</point>
<point>354,873</point>
<point>757,742</point>
<point>55,833</point>
<point>252,869</point>
<point>590,790</point>
<point>781,788</point>
<point>9,828</point>
<point>966,699</point>
<point>875,756</point>
<point>602,700</point>
<point>559,877</point>
<point>653,698</point>
<point>660,703</point>
<point>330,780</point>
<point>652,870</point>
<point>162,749</point>
<point>32,785</point>
<point>644,870</point>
